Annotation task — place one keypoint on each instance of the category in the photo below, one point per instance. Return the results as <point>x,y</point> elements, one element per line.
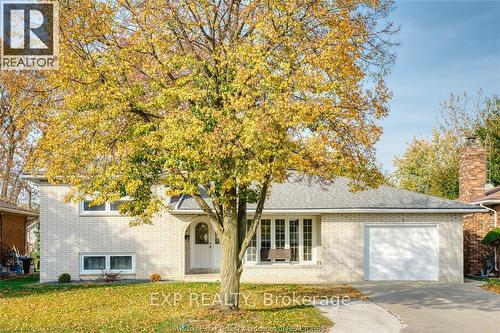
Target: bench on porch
<point>276,254</point>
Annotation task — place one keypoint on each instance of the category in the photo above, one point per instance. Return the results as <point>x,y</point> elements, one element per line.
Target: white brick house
<point>332,235</point>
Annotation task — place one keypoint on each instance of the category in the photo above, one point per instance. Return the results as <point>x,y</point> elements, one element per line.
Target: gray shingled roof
<point>313,195</point>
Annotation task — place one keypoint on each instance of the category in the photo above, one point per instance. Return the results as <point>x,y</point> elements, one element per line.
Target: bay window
<point>294,239</point>
<point>252,247</point>
<point>307,239</point>
<point>265,235</point>
<point>294,234</point>
<point>279,235</point>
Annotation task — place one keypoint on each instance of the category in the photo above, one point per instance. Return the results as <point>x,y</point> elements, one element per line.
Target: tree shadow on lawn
<point>293,318</point>
<point>279,314</point>
<point>186,317</point>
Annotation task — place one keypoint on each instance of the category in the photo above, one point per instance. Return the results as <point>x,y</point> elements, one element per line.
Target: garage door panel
<point>384,258</point>
<point>401,253</point>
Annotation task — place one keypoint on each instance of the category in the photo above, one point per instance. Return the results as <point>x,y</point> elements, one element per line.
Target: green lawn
<point>492,285</point>
<point>27,306</point>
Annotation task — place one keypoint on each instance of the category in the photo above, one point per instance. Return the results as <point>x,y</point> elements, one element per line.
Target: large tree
<point>480,116</point>
<point>221,97</point>
<point>488,130</point>
<point>430,166</point>
<point>20,97</point>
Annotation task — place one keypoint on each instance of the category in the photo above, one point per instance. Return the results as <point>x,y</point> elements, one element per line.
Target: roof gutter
<point>33,178</point>
<point>487,202</point>
<point>495,216</point>
<point>20,212</point>
<point>352,210</point>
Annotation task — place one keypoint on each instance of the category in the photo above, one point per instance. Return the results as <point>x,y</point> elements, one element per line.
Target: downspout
<point>495,219</point>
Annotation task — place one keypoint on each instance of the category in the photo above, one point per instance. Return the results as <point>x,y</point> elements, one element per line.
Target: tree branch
<point>216,223</point>
<point>257,216</point>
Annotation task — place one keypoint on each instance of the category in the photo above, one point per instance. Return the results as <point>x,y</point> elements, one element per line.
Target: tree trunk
<point>230,226</point>
<point>6,174</point>
<point>230,266</point>
<point>9,161</point>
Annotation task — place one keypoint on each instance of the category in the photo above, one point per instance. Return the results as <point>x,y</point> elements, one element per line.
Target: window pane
<point>121,262</point>
<point>115,206</point>
<point>96,208</point>
<point>252,248</point>
<point>294,240</point>
<point>201,233</point>
<point>96,263</point>
<point>265,235</point>
<point>307,239</point>
<point>279,235</point>
<point>279,227</point>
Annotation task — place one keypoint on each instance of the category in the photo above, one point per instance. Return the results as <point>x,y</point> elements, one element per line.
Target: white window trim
<point>107,265</point>
<point>257,232</point>
<point>301,261</point>
<point>106,212</point>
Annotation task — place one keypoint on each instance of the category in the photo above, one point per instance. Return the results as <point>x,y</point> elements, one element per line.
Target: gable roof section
<point>8,207</point>
<point>315,197</point>
<point>491,196</point>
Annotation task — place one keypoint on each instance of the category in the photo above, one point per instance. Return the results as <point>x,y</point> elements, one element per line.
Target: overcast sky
<point>446,47</point>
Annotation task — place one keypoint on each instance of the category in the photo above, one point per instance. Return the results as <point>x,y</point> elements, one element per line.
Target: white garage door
<point>395,252</point>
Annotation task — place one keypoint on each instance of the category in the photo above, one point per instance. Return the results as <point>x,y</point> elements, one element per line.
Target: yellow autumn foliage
<point>223,94</point>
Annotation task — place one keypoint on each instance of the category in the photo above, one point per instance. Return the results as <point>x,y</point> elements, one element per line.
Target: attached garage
<point>402,252</point>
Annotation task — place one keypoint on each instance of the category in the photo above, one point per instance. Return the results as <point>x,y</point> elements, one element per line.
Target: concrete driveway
<point>437,307</point>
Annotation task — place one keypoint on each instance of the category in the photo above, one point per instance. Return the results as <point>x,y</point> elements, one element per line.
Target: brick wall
<point>343,243</point>
<point>161,247</point>
<point>472,171</point>
<point>476,226</point>
<point>14,232</point>
<point>65,235</point>
<point>472,175</point>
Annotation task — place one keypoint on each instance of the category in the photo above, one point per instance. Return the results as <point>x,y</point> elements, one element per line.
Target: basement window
<point>96,263</point>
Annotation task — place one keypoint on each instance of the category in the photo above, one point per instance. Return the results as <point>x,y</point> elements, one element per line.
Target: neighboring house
<point>328,234</point>
<point>15,222</point>
<point>473,189</point>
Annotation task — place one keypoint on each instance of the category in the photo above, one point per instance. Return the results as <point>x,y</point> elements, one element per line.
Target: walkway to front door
<point>204,248</point>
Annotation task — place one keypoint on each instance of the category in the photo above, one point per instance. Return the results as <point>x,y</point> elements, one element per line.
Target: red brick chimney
<point>472,172</point>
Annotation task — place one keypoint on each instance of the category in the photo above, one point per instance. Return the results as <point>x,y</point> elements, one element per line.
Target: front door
<point>205,247</point>
<point>202,249</point>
